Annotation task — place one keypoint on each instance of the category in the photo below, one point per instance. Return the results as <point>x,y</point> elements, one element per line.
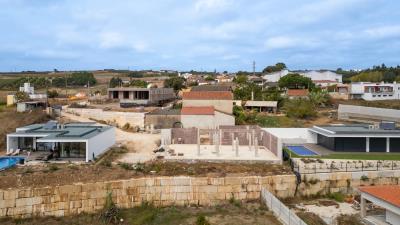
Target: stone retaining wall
<point>165,191</point>
<point>324,183</point>
<point>161,191</point>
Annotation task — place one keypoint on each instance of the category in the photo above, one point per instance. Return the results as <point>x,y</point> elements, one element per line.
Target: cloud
<point>383,31</point>
<point>211,5</point>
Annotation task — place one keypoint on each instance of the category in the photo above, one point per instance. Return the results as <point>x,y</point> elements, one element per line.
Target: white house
<point>73,140</point>
<point>323,77</point>
<point>375,91</point>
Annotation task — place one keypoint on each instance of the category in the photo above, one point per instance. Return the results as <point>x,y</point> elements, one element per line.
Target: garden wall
<point>119,118</point>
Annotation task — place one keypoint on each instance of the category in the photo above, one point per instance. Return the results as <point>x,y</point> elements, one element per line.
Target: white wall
<point>133,118</point>
<point>12,143</point>
<point>291,134</point>
<point>221,105</point>
<point>100,143</point>
<point>207,121</point>
<point>392,218</point>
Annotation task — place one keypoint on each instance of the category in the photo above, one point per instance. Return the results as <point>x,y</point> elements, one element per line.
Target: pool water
<point>8,162</point>
<point>301,150</point>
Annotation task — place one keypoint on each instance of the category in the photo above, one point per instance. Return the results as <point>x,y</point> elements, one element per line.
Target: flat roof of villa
<point>70,131</point>
<point>353,130</point>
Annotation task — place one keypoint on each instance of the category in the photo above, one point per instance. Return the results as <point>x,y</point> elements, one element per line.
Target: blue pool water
<point>8,162</point>
<point>301,150</point>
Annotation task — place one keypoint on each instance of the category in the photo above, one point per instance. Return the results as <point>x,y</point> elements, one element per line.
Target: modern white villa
<point>83,141</point>
<point>375,91</point>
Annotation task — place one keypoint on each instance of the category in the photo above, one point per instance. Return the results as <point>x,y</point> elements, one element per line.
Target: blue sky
<point>197,34</point>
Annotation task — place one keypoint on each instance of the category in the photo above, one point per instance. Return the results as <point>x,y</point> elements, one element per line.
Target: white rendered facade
<point>375,91</point>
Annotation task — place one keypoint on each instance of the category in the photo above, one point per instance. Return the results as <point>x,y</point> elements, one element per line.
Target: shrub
<point>337,196</point>
<point>364,178</point>
<point>300,108</point>
<point>202,220</point>
<point>53,167</point>
<point>111,213</point>
<point>126,166</point>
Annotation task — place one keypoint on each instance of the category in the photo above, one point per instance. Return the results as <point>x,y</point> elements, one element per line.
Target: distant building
<point>262,106</point>
<point>221,100</point>
<point>224,78</point>
<point>205,117</point>
<point>320,78</point>
<point>375,91</point>
<point>163,118</point>
<point>297,93</point>
<point>131,96</point>
<point>30,90</point>
<point>31,105</point>
<point>212,88</point>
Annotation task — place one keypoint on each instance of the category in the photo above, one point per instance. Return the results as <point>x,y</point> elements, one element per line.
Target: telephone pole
<point>254,68</point>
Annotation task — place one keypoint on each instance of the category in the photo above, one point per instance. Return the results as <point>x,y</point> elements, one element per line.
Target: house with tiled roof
<point>386,197</point>
<point>221,100</point>
<point>297,93</point>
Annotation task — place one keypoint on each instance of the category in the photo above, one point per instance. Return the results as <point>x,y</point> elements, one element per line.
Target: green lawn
<point>352,156</point>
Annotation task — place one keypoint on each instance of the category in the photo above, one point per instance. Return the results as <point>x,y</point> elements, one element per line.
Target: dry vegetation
<point>10,120</point>
<point>228,214</point>
<point>61,174</point>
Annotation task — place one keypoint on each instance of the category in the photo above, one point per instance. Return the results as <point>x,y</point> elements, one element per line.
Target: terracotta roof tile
<point>389,193</point>
<point>205,110</point>
<point>208,95</point>
<point>297,92</point>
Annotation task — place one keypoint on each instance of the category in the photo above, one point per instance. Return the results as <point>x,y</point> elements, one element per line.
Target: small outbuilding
<point>262,106</point>
<point>386,197</point>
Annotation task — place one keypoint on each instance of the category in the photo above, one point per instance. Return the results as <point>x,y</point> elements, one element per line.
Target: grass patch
<point>349,156</point>
<point>337,196</point>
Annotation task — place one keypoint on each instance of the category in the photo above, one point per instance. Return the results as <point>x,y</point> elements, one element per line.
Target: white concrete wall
<point>392,218</point>
<point>348,111</point>
<point>100,143</point>
<point>222,119</point>
<point>199,121</point>
<point>225,106</point>
<point>293,134</point>
<point>207,121</point>
<point>12,143</point>
<point>133,118</point>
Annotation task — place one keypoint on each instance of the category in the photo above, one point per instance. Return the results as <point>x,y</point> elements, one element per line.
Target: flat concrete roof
<point>75,131</point>
<point>353,130</point>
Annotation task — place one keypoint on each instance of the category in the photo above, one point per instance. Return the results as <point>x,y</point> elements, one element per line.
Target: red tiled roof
<point>204,110</point>
<point>389,193</point>
<point>297,92</point>
<point>208,95</point>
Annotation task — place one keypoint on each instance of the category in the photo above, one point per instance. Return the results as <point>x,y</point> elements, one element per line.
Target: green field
<point>351,156</point>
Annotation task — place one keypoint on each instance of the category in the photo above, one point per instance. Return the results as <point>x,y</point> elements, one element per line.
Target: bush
<point>300,108</point>
<point>126,166</point>
<point>337,196</point>
<point>202,220</point>
<point>111,213</point>
<point>53,167</point>
<point>52,94</point>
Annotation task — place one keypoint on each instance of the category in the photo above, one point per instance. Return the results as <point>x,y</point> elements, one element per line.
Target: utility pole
<point>66,90</point>
<point>254,68</point>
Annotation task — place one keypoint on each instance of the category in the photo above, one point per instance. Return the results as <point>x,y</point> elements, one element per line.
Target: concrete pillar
<point>249,138</point>
<point>367,144</point>
<point>233,141</point>
<point>387,144</point>
<point>237,146</point>
<point>34,144</point>
<point>216,143</point>
<point>256,146</point>
<point>198,142</point>
<point>363,207</point>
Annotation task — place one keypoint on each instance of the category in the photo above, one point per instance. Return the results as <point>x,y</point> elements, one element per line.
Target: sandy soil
<point>140,145</point>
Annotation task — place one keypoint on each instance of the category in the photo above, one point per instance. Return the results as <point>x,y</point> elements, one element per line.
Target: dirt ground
<point>10,119</point>
<point>234,213</point>
<point>62,174</point>
<point>140,146</point>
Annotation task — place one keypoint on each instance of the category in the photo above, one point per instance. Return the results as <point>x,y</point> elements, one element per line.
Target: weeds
<point>110,214</point>
<point>337,196</point>
<point>126,166</point>
<point>53,168</point>
<point>202,220</point>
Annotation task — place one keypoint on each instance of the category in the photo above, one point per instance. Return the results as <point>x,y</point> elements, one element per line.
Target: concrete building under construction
<point>132,96</point>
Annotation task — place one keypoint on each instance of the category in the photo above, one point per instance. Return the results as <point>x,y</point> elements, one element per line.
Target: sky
<point>197,34</point>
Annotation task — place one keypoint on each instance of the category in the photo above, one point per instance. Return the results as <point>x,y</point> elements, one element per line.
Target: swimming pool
<point>8,162</point>
<point>301,150</point>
